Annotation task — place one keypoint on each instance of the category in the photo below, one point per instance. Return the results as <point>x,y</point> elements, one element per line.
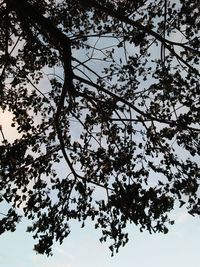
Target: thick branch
<point>63,45</point>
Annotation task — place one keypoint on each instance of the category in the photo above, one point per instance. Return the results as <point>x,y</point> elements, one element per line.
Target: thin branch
<point>138,25</point>
<point>3,214</point>
<point>3,136</point>
<point>85,66</point>
<point>164,33</point>
<point>29,80</point>
<point>119,98</point>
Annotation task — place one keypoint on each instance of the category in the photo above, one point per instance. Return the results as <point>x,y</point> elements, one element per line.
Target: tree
<point>105,98</point>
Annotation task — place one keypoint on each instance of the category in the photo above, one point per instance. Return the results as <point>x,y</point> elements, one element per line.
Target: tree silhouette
<point>105,98</point>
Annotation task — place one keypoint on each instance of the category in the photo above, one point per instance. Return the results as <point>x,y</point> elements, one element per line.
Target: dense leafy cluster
<point>104,96</point>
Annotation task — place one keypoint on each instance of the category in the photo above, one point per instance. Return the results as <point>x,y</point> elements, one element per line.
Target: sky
<point>180,248</point>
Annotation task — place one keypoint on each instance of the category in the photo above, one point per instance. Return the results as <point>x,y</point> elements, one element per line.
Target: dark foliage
<point>104,96</point>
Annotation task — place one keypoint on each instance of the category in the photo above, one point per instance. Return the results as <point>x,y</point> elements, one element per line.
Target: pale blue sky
<point>180,248</point>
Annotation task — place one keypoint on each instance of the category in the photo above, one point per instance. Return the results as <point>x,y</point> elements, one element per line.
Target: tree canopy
<point>105,98</point>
